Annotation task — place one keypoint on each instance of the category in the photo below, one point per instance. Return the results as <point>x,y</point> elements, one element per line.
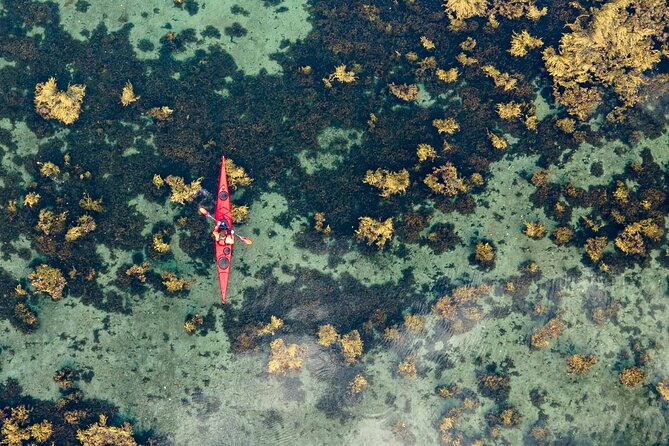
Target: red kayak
<point>224,235</point>
<point>223,214</point>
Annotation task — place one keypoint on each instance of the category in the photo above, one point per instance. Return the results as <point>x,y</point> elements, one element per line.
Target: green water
<point>235,76</point>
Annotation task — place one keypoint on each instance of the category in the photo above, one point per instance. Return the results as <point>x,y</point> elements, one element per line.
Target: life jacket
<point>229,239</point>
<point>216,234</point>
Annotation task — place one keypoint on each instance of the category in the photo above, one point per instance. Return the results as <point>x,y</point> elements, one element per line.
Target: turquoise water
<point>551,341</point>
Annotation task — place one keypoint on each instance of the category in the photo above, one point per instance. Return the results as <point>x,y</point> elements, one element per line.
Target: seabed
<point>235,76</point>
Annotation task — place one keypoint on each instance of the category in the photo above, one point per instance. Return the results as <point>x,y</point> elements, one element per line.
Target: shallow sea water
<point>476,368</point>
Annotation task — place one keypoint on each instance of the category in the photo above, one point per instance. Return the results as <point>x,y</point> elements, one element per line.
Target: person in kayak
<point>229,234</point>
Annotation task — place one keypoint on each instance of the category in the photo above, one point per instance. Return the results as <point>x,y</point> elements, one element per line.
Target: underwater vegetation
<point>439,92</point>
<point>65,106</point>
<point>72,419</point>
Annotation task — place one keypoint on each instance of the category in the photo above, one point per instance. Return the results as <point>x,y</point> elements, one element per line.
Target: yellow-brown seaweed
<point>630,240</point>
<point>63,106</point>
<point>466,9</point>
<point>173,283</point>
<point>128,95</point>
<point>445,180</point>
<point>340,75</point>
<point>447,125</point>
<point>521,42</point>
<point>49,170</point>
<point>182,192</point>
<point>31,199</point>
<point>51,223</point>
<point>351,346</point>
<point>48,280</point>
<point>594,247</point>
<point>90,204</point>
<point>407,368</point>
<point>484,253</point>
<point>99,434</point>
<point>425,152</point>
<point>615,48</point>
<point>632,376</point>
<point>285,357</point>
<point>138,271</point>
<point>536,231</point>
<point>541,336</point>
<point>404,92</point>
<point>240,214</point>
<point>160,113</point>
<point>447,76</point>
<point>271,327</point>
<point>388,182</point>
<point>375,231</point>
<point>578,364</point>
<point>237,176</point>
<point>85,224</point>
<point>358,384</point>
<point>319,223</point>
<point>327,335</point>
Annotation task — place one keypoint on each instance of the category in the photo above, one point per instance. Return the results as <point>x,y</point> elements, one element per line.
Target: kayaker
<point>228,238</point>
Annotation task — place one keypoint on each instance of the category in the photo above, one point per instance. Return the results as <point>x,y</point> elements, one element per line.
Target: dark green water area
<point>458,214</point>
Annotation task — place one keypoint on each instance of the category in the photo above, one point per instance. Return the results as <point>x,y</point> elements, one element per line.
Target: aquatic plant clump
<point>193,323</point>
<point>128,95</point>
<point>351,346</point>
<point>50,222</point>
<point>327,335</point>
<point>64,106</point>
<point>183,193</point>
<point>16,428</point>
<point>374,231</point>
<point>320,225</point>
<point>541,336</point>
<point>358,384</point>
<point>404,92</point>
<point>407,368</point>
<point>579,364</point>
<point>522,42</point>
<point>388,182</point>
<point>174,283</point>
<point>99,434</point>
<point>484,253</point>
<point>611,48</point>
<point>138,271</point>
<point>631,376</point>
<point>49,170</point>
<point>31,199</point>
<point>630,240</point>
<point>466,9</point>
<point>240,214</point>
<point>284,358</point>
<point>48,280</point>
<point>340,74</point>
<point>461,308</point>
<point>445,180</point>
<point>85,224</point>
<point>271,327</point>
<point>160,114</point>
<point>237,176</point>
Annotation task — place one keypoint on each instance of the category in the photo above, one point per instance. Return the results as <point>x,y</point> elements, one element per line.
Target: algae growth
<point>457,213</point>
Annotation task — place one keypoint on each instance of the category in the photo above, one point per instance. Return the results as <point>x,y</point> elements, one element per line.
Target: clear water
<point>236,78</point>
